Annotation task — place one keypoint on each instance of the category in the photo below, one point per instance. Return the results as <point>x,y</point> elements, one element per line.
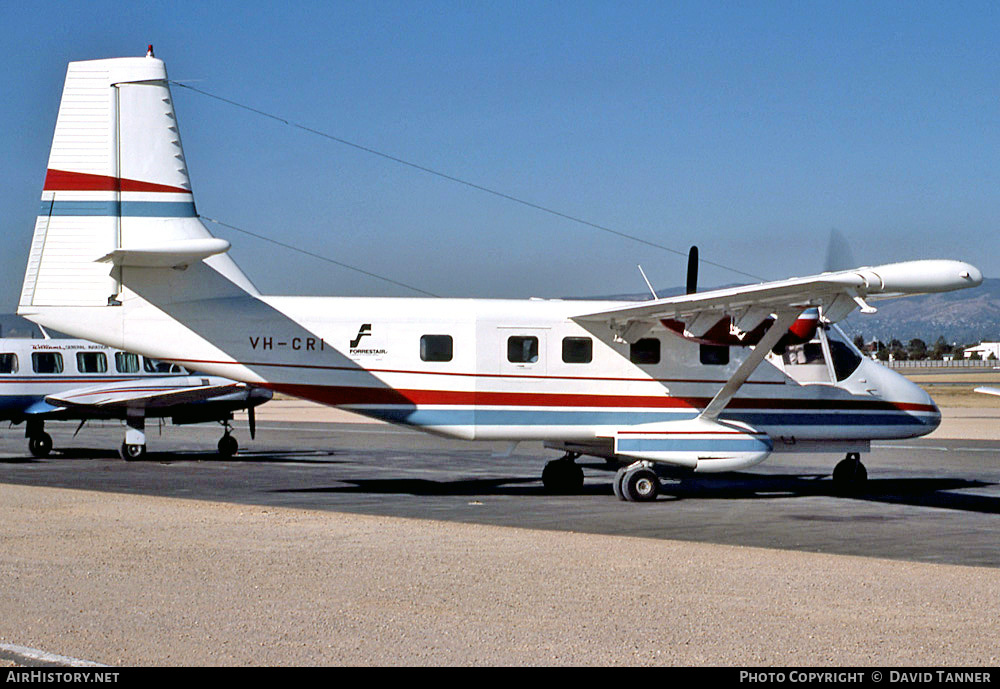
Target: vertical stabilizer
<point>116,178</point>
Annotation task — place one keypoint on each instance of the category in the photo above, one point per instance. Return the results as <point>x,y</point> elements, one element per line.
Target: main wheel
<point>130,452</point>
<point>850,475</point>
<point>640,485</point>
<point>562,476</point>
<point>40,445</point>
<point>616,485</point>
<point>228,445</point>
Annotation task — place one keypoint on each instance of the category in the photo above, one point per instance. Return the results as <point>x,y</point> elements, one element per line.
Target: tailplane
<point>117,181</point>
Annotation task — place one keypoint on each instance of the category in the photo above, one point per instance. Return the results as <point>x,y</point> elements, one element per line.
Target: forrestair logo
<point>375,347</point>
<point>365,329</point>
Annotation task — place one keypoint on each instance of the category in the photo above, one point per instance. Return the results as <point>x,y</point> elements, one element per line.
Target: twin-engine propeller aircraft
<point>703,382</point>
<point>61,379</point>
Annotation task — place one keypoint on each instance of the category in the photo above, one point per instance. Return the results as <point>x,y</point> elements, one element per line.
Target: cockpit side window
<point>845,357</point>
<point>807,363</point>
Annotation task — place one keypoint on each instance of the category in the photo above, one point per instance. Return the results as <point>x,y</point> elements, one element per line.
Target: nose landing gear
<point>850,475</point>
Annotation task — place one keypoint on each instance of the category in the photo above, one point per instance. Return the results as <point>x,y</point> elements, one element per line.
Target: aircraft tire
<point>640,485</point>
<point>228,446</point>
<point>132,452</point>
<point>40,445</point>
<point>616,485</point>
<point>562,477</point>
<point>850,475</point>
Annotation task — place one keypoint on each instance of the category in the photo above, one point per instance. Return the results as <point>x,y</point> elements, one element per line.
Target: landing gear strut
<point>227,443</point>
<point>134,446</point>
<point>562,475</point>
<point>637,483</point>
<point>850,475</point>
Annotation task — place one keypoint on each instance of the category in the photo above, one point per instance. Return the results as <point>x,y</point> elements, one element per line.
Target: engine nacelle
<point>698,444</point>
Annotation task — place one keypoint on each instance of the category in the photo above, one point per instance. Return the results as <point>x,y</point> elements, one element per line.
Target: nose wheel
<point>850,475</point>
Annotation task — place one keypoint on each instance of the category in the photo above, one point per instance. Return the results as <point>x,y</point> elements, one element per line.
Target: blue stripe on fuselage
<point>531,417</point>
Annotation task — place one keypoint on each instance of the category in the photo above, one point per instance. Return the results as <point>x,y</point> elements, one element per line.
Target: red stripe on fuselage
<point>61,180</point>
<point>349,395</point>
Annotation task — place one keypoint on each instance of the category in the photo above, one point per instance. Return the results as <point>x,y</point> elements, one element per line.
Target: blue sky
<point>751,129</point>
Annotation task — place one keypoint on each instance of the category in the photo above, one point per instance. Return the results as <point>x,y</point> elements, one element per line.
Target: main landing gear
<point>134,447</point>
<point>562,475</point>
<point>850,475</point>
<point>227,443</point>
<point>637,482</point>
<point>39,442</point>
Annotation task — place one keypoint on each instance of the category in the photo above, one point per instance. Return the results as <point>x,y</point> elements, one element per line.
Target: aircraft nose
<point>929,413</point>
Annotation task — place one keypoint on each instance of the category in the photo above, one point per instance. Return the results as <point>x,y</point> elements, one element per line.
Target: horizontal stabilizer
<point>176,254</point>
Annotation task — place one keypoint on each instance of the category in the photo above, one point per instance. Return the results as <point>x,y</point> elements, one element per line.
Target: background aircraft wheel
<point>40,445</point>
<point>616,485</point>
<point>132,452</point>
<point>228,446</point>
<point>850,475</point>
<point>640,485</point>
<point>562,476</point>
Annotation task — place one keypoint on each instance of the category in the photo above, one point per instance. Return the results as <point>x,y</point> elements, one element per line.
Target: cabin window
<point>8,363</point>
<point>522,349</point>
<point>126,362</point>
<point>577,350</point>
<point>805,363</point>
<point>714,355</point>
<point>436,348</point>
<point>47,362</point>
<point>156,366</point>
<point>645,351</point>
<point>91,362</point>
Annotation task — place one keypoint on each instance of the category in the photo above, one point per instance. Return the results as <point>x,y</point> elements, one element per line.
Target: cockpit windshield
<point>157,366</point>
<point>827,358</point>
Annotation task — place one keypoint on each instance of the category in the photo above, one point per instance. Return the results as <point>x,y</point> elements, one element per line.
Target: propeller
<point>838,253</point>
<point>252,419</point>
<point>692,274</point>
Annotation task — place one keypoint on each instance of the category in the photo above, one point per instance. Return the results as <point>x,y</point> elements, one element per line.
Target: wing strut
<point>783,321</point>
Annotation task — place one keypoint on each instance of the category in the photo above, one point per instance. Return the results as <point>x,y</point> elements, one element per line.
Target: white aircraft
<point>60,379</point>
<point>704,382</point>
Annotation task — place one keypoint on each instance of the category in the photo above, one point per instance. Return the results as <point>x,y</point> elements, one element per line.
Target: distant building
<point>984,350</point>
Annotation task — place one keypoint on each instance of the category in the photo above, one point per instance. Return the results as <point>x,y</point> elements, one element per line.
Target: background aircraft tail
<point>117,179</point>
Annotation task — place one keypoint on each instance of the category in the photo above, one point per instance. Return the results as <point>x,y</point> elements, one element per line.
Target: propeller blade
<point>692,275</point>
<point>838,253</point>
<point>252,418</point>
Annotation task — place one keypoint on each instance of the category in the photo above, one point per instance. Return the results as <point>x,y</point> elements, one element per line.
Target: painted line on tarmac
<point>35,655</point>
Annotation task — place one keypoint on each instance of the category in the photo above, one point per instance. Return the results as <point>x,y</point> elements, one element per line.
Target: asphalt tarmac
<point>927,500</point>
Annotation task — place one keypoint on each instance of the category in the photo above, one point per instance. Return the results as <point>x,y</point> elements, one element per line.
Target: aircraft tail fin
<point>117,180</point>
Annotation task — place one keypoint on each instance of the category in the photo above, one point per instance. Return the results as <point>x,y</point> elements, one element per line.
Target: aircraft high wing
<point>836,294</point>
